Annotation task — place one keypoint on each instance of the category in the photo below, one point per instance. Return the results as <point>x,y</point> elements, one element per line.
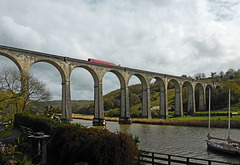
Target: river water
<point>178,140</point>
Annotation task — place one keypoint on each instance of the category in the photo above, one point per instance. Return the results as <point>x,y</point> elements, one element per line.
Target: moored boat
<point>223,146</point>
<point>227,145</point>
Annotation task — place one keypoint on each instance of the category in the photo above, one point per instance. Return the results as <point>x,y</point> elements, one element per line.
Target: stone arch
<point>191,97</point>
<point>98,94</point>
<point>56,65</point>
<point>218,87</point>
<point>208,86</point>
<point>14,60</point>
<point>218,90</point>
<point>142,79</point>
<point>146,105</point>
<point>120,77</point>
<point>123,91</point>
<point>178,98</point>
<point>209,95</point>
<point>200,95</point>
<point>90,70</point>
<point>66,98</point>
<point>124,117</point>
<point>23,69</point>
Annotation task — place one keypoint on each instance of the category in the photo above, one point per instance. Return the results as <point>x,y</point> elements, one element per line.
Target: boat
<point>227,145</point>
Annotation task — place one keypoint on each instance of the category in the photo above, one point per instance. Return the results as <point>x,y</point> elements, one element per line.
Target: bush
<point>112,113</point>
<point>72,143</point>
<point>155,113</point>
<point>36,122</point>
<point>135,113</point>
<point>75,143</point>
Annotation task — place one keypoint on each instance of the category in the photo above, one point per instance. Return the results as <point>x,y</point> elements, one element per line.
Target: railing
<point>166,159</point>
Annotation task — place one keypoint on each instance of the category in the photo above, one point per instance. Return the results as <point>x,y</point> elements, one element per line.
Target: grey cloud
<point>172,37</point>
<point>18,35</point>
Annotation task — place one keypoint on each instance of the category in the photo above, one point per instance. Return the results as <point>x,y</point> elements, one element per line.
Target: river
<point>179,140</point>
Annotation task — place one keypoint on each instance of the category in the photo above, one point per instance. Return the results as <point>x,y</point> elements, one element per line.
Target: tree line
<point>218,77</point>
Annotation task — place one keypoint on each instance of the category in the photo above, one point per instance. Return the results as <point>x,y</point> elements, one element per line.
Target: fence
<point>166,159</point>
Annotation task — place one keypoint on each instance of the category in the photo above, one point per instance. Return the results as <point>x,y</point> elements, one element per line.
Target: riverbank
<point>183,121</point>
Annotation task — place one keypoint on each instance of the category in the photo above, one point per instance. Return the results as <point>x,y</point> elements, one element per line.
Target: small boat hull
<point>223,147</point>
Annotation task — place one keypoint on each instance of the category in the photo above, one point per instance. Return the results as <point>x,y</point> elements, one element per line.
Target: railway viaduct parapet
<point>24,59</point>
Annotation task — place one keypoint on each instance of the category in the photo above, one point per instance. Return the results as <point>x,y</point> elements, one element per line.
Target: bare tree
<point>19,94</point>
<point>203,76</point>
<point>213,74</point>
<point>230,72</point>
<point>200,76</point>
<point>221,74</point>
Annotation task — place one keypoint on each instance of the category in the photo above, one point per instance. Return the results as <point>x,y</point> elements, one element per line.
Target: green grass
<point>206,118</point>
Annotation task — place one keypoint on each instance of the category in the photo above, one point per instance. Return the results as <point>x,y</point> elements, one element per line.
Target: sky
<point>177,37</point>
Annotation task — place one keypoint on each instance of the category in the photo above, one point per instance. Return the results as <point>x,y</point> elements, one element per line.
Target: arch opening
<point>82,91</point>
<point>11,84</point>
<point>135,96</point>
<point>49,75</point>
<point>112,94</point>
<point>54,65</point>
<point>188,98</point>
<point>185,98</point>
<point>174,99</point>
<point>157,97</point>
<point>200,98</point>
<point>7,60</point>
<point>209,97</point>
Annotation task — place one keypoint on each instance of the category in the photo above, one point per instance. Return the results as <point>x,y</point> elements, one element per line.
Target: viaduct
<point>24,59</point>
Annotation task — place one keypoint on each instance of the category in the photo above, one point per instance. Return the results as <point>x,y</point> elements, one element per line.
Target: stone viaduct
<point>24,59</point>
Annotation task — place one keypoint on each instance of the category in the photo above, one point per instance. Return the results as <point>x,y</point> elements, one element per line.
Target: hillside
<point>112,101</point>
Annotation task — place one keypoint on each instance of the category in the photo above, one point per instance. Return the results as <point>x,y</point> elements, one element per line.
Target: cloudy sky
<point>168,36</point>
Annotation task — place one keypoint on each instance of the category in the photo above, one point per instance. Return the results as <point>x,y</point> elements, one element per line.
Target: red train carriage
<point>103,62</point>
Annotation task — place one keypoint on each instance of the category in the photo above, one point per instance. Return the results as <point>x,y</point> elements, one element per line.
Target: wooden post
<point>169,159</point>
<point>152,158</point>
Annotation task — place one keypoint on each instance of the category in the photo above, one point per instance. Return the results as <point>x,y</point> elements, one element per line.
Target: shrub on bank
<point>72,143</point>
<point>112,113</point>
<point>36,122</point>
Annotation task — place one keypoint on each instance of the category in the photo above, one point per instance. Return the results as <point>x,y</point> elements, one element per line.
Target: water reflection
<point>179,140</point>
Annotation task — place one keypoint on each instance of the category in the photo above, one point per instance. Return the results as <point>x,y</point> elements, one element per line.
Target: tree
<point>200,76</point>
<point>235,91</point>
<point>108,104</point>
<point>221,74</point>
<point>212,74</point>
<point>134,100</point>
<point>230,72</point>
<point>18,95</point>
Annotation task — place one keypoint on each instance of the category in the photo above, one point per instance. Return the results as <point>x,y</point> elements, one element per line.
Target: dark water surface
<point>179,140</point>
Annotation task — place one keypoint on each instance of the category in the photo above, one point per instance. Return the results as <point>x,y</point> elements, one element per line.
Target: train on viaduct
<point>24,59</point>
